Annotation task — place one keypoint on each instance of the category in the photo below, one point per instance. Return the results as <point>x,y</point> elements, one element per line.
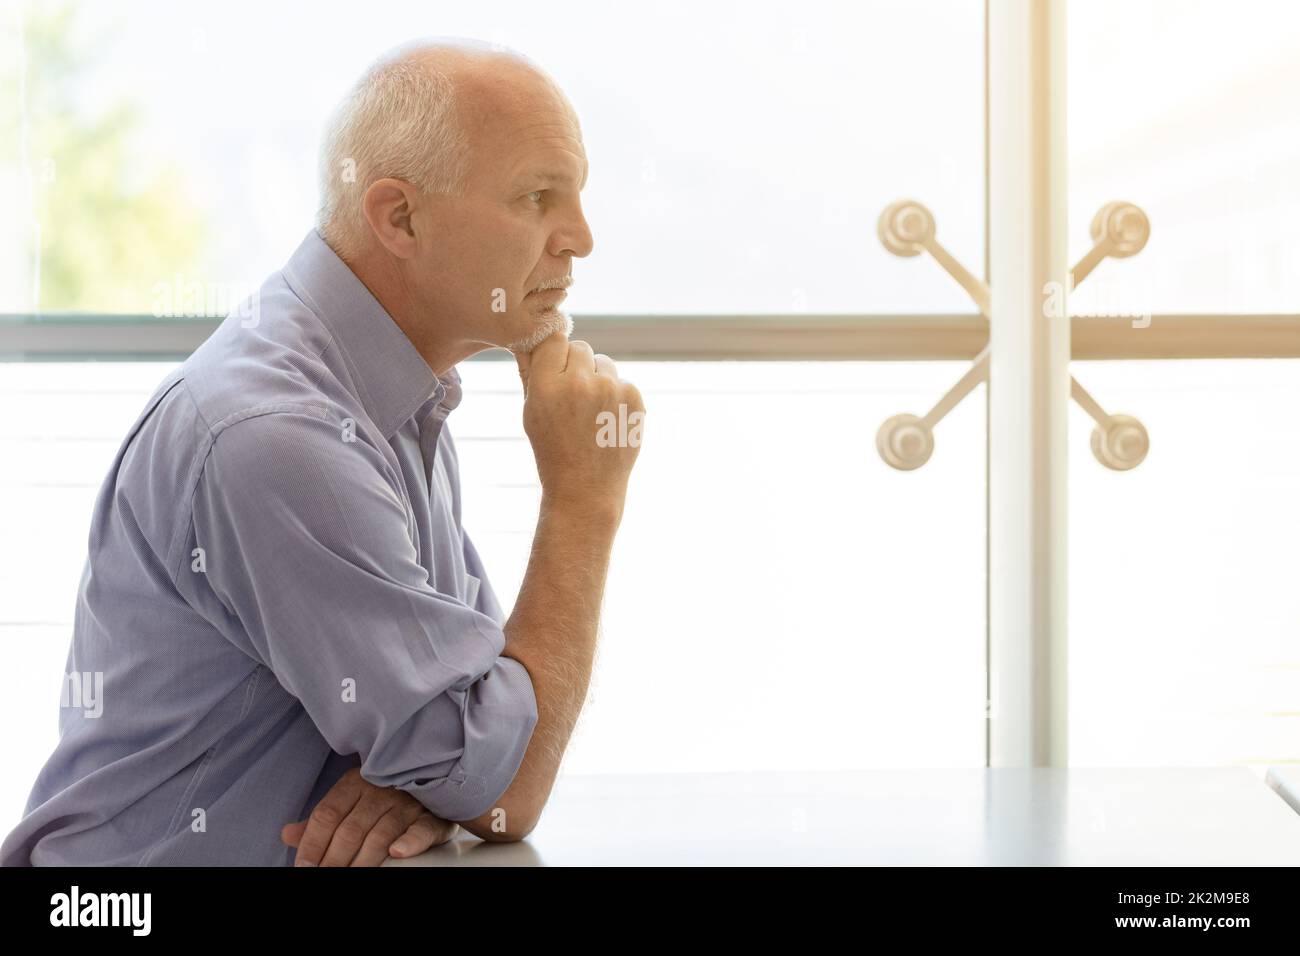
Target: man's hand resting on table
<point>359,824</point>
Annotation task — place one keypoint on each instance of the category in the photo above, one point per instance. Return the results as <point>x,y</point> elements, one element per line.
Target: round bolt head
<point>1125,225</point>
<point>1122,444</point>
<point>905,227</point>
<point>905,442</point>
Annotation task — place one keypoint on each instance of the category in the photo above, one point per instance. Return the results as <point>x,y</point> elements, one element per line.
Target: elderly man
<point>283,611</point>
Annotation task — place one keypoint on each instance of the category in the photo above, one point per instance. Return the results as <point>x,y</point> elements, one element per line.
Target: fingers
<point>581,358</point>
<point>380,837</point>
<point>550,356</point>
<point>426,831</point>
<point>605,365</point>
<point>354,830</point>
<point>633,396</point>
<point>360,824</point>
<point>291,833</point>
<point>326,818</point>
<point>404,831</point>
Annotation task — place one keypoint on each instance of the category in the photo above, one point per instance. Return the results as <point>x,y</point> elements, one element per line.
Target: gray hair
<point>398,121</point>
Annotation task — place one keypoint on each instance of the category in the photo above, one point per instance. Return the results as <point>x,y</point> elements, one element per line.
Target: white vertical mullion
<point>1029,385</point>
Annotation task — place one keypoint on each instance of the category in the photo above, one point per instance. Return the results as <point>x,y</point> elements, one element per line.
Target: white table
<point>1286,781</point>
<point>963,817</point>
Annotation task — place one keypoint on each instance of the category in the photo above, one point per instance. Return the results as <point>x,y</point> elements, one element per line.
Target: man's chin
<point>549,322</point>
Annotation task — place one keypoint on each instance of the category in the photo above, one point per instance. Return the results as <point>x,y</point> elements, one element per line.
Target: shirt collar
<point>393,380</point>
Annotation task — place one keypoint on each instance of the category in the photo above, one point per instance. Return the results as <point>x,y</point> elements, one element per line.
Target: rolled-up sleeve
<point>306,541</point>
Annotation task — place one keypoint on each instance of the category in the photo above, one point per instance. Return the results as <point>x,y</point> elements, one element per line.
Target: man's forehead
<point>523,119</point>
<point>541,148</point>
<point>496,86</point>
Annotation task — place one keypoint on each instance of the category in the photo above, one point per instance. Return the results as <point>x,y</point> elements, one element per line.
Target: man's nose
<point>575,238</point>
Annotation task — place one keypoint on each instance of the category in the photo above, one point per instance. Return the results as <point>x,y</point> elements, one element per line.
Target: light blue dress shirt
<point>278,588</point>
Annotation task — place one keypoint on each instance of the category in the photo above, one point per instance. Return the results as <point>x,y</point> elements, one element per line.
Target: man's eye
<point>537,193</point>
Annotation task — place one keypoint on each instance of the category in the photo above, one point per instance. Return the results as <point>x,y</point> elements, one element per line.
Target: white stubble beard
<point>556,321</point>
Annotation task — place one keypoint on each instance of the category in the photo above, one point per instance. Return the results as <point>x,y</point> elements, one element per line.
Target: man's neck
<point>440,353</point>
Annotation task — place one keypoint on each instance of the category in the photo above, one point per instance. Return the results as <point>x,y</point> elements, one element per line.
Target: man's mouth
<point>558,284</point>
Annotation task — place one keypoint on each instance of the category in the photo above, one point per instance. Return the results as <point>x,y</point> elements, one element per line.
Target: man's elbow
<point>507,822</point>
<point>508,835</point>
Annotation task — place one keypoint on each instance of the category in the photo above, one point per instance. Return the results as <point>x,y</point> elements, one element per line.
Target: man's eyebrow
<point>543,176</point>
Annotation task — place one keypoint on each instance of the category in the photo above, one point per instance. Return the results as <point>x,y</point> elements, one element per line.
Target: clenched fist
<point>584,423</point>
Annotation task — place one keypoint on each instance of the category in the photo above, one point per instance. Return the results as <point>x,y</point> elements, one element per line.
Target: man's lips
<point>559,293</point>
<point>553,285</point>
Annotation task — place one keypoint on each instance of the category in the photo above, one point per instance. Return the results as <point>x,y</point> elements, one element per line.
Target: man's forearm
<point>552,633</point>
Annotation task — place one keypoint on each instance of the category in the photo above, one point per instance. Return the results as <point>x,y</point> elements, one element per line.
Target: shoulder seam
<point>316,409</point>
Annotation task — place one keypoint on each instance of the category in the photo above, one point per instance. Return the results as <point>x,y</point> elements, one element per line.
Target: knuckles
<point>325,816</point>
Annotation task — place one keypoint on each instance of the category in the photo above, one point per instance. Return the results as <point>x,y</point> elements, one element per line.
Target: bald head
<point>451,181</point>
<point>422,113</point>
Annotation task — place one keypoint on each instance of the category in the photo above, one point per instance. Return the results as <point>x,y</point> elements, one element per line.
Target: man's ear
<point>387,206</point>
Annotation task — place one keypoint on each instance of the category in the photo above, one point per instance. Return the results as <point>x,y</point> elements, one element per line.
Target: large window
<point>740,152</point>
